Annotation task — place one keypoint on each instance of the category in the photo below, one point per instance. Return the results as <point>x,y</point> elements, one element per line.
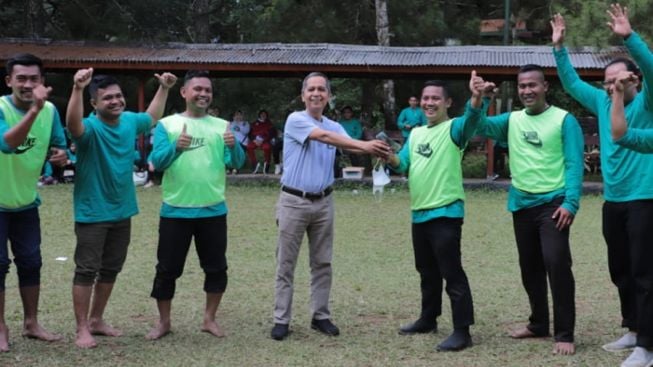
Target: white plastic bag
<point>380,178</point>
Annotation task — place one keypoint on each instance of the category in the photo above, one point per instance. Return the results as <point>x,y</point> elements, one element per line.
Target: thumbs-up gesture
<point>183,141</point>
<point>228,137</point>
<point>166,80</point>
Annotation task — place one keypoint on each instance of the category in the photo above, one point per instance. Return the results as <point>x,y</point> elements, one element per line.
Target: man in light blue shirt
<point>305,203</point>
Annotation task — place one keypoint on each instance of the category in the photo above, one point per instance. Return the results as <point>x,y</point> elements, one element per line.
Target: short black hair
<point>437,83</point>
<point>630,64</point>
<point>342,110</point>
<point>531,67</point>
<point>190,74</point>
<point>101,81</point>
<point>24,59</point>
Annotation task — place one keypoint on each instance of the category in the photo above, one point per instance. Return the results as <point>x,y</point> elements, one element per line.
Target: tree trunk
<point>35,18</point>
<point>200,21</point>
<point>383,37</point>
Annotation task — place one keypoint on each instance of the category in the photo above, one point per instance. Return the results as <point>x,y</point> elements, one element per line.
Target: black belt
<point>307,195</point>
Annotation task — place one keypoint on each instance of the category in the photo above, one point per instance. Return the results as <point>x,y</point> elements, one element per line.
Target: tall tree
<point>383,35</point>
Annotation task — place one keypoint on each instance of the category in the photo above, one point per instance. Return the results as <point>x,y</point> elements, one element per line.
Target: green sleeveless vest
<point>18,188</point>
<point>436,177</point>
<point>196,179</point>
<point>536,153</point>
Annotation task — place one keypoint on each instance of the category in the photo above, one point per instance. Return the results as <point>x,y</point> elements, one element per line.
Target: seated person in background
<point>277,148</point>
<point>260,135</point>
<point>240,129</point>
<point>354,129</point>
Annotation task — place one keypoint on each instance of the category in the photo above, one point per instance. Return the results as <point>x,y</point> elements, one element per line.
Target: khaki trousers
<point>296,216</point>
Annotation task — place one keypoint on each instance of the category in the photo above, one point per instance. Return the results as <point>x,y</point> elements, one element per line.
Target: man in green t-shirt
<point>433,153</point>
<point>104,196</point>
<point>192,149</point>
<point>29,126</point>
<point>627,181</point>
<point>546,147</point>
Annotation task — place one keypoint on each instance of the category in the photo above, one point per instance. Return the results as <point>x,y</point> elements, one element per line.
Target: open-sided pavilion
<point>296,60</point>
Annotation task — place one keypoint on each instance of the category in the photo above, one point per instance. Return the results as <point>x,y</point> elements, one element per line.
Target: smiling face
<point>109,103</point>
<point>22,81</point>
<point>315,95</point>
<point>434,103</point>
<point>198,93</point>
<point>413,102</point>
<point>531,89</point>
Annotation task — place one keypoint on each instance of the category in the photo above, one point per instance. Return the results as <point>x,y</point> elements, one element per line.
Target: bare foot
<point>4,338</point>
<point>564,349</point>
<point>99,327</point>
<point>36,331</point>
<point>159,331</point>
<point>523,333</point>
<point>212,327</point>
<point>84,339</point>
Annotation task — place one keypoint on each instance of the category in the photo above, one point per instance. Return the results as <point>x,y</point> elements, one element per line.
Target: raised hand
<point>619,23</point>
<point>183,141</point>
<point>40,94</point>
<point>624,79</point>
<point>83,78</point>
<point>558,26</point>
<point>228,137</point>
<point>476,84</point>
<point>166,80</point>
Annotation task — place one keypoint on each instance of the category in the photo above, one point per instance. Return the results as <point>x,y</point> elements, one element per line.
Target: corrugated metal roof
<point>302,54</point>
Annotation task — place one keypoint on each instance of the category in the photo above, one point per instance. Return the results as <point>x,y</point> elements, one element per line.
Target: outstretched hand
<point>619,23</point>
<point>558,26</point>
<point>166,80</point>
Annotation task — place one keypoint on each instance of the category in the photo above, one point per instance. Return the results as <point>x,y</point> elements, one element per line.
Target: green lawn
<point>375,290</point>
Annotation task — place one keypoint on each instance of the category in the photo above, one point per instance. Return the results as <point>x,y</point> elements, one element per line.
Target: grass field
<point>375,290</point>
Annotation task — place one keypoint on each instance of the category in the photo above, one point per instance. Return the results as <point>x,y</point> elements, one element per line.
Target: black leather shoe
<point>459,340</point>
<point>279,331</point>
<point>325,327</point>
<point>419,327</point>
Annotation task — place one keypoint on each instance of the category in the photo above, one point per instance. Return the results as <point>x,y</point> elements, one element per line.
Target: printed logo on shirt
<point>532,138</point>
<point>196,143</point>
<point>424,150</point>
<point>28,144</point>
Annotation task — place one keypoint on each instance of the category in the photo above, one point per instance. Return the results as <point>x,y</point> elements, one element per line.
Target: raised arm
<point>617,114</point>
<point>620,26</point>
<point>17,134</point>
<point>586,94</point>
<point>158,104</point>
<point>75,109</point>
<point>465,127</point>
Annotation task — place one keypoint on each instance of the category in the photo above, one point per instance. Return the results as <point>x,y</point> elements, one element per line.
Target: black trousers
<point>628,233</point>
<point>436,245</point>
<point>175,235</point>
<point>544,251</point>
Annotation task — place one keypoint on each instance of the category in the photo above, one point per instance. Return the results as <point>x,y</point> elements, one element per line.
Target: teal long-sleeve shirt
<point>496,127</point>
<point>411,117</point>
<point>639,140</point>
<point>463,128</point>
<point>165,153</point>
<point>627,174</point>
